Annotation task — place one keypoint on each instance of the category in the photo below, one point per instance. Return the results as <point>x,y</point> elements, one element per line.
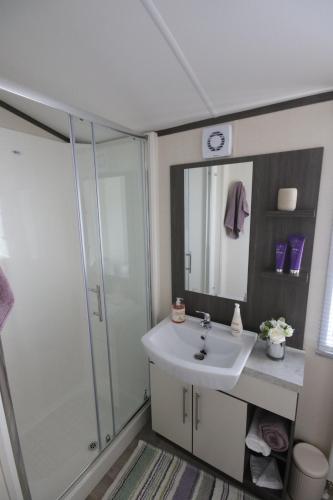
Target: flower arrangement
<point>276,330</point>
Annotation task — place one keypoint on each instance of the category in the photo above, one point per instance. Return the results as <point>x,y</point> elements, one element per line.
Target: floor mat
<point>151,473</point>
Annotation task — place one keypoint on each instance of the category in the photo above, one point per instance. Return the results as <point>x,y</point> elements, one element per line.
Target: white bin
<point>308,473</point>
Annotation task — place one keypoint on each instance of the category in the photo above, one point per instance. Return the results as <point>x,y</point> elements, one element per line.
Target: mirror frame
<point>268,294</point>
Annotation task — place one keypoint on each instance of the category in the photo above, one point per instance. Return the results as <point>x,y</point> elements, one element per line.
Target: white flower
<point>276,329</point>
<point>281,323</point>
<point>276,335</point>
<point>288,331</point>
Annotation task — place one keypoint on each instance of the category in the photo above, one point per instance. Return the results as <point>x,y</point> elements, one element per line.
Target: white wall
<point>13,122</point>
<point>298,128</point>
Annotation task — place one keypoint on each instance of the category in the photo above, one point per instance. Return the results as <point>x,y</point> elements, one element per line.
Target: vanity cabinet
<point>171,408</point>
<point>212,425</point>
<point>218,421</point>
<point>219,430</point>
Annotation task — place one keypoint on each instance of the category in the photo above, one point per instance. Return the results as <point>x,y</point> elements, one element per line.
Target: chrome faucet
<point>206,324</point>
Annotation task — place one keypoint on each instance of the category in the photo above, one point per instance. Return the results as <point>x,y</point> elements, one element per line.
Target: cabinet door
<point>219,430</point>
<point>171,407</point>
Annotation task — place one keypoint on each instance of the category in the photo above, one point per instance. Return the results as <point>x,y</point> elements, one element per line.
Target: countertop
<point>288,372</point>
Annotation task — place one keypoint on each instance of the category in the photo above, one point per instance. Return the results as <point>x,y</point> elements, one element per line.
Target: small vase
<point>275,351</point>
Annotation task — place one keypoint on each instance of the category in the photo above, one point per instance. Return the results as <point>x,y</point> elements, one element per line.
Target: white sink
<point>172,347</point>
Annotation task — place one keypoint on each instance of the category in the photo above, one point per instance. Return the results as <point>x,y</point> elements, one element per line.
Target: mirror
<point>217,206</point>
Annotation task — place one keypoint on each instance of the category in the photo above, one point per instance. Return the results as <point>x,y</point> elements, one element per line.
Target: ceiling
<point>151,64</point>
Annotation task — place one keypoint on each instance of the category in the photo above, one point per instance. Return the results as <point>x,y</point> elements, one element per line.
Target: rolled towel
<point>274,431</point>
<point>254,440</point>
<point>257,467</point>
<point>265,472</point>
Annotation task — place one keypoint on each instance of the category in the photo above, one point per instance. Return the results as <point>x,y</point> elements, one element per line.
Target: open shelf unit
<point>283,461</point>
<point>288,278</point>
<point>296,214</point>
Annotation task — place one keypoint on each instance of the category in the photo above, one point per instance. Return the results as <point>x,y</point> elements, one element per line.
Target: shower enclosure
<point>74,247</point>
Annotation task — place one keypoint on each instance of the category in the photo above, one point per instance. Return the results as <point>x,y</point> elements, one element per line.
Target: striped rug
<point>151,473</point>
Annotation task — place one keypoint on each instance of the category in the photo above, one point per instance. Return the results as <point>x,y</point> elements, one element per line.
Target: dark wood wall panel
<point>269,294</point>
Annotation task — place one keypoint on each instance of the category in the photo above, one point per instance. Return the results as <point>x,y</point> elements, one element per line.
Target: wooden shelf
<point>282,457</point>
<point>303,278</point>
<point>296,214</point>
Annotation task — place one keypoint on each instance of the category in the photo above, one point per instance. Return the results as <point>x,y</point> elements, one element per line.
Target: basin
<point>172,348</point>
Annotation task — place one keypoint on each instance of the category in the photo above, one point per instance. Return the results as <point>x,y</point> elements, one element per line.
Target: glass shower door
<point>124,236</point>
<point>90,227</point>
<point>113,211</point>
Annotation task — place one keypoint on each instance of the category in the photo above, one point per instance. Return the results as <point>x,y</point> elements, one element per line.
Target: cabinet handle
<point>97,290</point>
<point>184,404</point>
<point>196,420</point>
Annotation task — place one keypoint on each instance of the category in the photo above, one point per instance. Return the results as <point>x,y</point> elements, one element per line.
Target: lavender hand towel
<point>6,298</point>
<point>236,210</point>
<point>274,432</point>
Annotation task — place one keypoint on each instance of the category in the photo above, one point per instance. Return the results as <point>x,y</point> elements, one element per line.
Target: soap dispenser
<point>236,324</point>
<point>178,311</point>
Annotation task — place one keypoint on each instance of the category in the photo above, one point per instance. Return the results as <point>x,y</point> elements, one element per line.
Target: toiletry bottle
<point>236,324</point>
<point>280,256</point>
<point>178,311</point>
<point>296,243</point>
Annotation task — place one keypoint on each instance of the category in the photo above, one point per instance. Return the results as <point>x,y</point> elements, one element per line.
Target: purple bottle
<point>296,243</point>
<point>280,256</point>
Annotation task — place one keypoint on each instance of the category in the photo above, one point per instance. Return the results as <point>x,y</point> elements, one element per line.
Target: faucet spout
<point>206,322</point>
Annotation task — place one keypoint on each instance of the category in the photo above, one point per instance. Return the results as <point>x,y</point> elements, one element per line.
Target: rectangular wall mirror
<point>217,221</point>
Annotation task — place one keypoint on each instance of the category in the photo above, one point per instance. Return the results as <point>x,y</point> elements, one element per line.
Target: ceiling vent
<point>217,141</point>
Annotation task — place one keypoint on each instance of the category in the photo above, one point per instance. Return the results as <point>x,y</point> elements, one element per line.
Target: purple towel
<point>6,298</point>
<point>236,210</point>
<point>274,431</point>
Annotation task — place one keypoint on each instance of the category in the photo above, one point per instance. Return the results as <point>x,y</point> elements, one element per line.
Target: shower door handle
<point>188,265</point>
<point>97,290</point>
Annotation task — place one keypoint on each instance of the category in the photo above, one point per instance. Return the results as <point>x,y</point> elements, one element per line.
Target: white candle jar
<point>287,199</point>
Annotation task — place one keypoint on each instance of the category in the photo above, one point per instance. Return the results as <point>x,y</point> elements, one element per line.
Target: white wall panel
<point>45,339</point>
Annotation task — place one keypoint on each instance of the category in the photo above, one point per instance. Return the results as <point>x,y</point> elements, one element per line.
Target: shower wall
<point>46,337</point>
<point>3,488</point>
